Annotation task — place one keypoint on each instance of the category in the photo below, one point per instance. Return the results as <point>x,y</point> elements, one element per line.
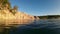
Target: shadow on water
<point>37,27</point>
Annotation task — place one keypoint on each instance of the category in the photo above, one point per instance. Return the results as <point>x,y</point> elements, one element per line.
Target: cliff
<point>10,16</point>
<point>7,18</point>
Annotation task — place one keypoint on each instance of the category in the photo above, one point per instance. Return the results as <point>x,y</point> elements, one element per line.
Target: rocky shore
<point>10,15</point>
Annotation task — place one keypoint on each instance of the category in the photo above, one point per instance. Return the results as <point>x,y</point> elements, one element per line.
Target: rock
<point>36,17</point>
<point>23,18</point>
<point>7,18</point>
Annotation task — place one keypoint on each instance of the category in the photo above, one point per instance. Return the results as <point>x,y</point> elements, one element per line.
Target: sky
<point>38,7</point>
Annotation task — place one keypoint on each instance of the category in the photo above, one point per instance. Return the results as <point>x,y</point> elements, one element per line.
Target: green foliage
<point>49,16</point>
<point>14,10</point>
<point>4,2</point>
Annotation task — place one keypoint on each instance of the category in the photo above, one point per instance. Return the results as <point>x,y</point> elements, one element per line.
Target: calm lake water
<point>50,26</point>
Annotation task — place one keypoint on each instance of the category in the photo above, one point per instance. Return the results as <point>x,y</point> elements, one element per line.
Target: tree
<point>4,2</point>
<point>15,10</point>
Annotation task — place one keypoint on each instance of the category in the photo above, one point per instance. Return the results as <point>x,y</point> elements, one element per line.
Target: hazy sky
<point>38,7</point>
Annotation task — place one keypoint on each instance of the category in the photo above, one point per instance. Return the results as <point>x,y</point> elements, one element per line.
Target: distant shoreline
<point>49,17</point>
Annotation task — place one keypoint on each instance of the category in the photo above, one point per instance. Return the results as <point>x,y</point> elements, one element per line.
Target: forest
<point>49,17</point>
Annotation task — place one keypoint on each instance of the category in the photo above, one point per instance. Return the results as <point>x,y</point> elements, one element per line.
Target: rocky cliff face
<point>10,16</point>
<point>6,17</point>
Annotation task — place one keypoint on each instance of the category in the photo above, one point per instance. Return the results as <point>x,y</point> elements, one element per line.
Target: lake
<point>48,26</point>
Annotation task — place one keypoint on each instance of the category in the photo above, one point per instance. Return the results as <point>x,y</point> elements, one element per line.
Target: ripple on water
<point>50,26</point>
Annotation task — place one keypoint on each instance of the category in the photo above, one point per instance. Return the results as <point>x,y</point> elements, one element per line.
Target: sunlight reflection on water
<point>50,26</point>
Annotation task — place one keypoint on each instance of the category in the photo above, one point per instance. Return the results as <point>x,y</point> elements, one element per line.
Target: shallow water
<point>49,26</point>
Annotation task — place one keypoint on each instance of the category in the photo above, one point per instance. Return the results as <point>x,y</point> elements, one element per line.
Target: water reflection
<point>50,26</point>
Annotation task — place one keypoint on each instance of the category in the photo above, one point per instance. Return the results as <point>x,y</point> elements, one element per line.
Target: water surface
<point>49,26</point>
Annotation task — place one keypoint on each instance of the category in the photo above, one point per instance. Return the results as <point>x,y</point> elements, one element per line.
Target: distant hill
<point>49,17</point>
